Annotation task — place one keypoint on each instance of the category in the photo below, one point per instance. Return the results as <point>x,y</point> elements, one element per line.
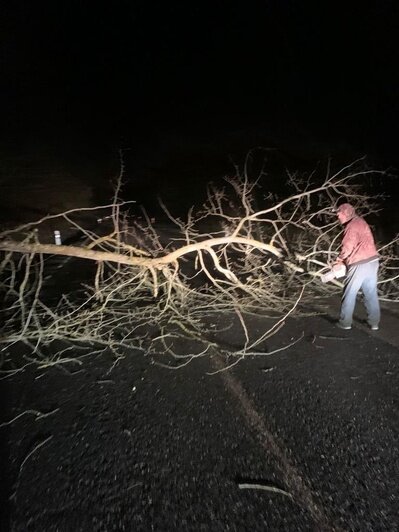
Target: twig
<point>39,415</point>
<point>34,450</point>
<point>264,487</point>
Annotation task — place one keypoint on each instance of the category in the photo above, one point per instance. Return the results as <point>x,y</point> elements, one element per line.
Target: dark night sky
<point>96,76</point>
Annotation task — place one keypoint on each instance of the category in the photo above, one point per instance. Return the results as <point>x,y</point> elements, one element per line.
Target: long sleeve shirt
<point>358,243</point>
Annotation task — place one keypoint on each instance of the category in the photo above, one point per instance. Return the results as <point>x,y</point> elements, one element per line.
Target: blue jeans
<point>364,277</point>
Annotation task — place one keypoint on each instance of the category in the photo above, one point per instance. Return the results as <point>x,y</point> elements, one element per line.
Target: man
<point>359,254</point>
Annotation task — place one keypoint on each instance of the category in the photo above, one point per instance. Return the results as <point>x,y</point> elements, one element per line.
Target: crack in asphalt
<point>294,482</point>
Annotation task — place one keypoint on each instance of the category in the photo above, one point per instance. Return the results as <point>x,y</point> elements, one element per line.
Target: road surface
<point>306,439</point>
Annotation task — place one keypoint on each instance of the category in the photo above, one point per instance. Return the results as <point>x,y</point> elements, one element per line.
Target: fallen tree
<point>227,262</point>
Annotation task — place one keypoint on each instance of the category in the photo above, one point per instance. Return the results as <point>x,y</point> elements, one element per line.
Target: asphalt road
<point>306,439</point>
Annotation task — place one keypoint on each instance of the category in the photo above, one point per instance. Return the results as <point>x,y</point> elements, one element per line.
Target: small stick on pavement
<point>333,337</point>
<point>33,451</point>
<point>39,415</point>
<point>265,488</point>
<point>266,370</point>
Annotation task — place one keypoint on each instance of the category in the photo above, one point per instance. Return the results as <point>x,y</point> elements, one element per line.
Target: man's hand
<point>337,266</point>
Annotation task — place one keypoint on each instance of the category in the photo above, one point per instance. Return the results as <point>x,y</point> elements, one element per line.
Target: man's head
<point>345,212</point>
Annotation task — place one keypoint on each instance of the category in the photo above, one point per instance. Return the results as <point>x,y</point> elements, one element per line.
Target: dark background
<point>187,87</point>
